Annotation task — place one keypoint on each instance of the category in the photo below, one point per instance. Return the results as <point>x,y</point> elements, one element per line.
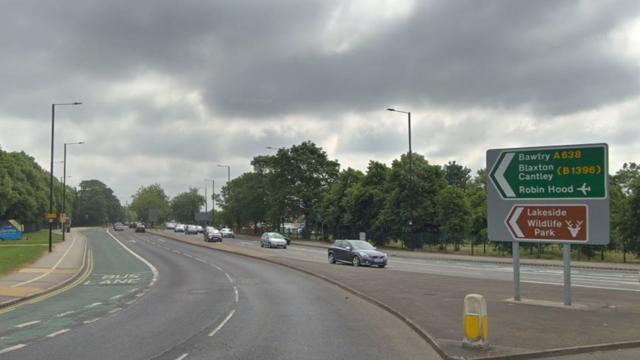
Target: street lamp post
<point>64,187</point>
<point>410,168</point>
<point>213,196</point>
<point>53,117</point>
<point>228,172</point>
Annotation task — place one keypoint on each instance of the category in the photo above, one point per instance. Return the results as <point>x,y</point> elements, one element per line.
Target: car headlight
<point>364,255</point>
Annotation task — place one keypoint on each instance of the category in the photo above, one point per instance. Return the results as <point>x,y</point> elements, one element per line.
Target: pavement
<point>50,272</point>
<point>601,325</point>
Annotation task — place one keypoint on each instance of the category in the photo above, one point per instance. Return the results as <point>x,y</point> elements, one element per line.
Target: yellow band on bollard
<point>475,322</point>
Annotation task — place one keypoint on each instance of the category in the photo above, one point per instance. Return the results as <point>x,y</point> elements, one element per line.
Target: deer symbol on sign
<point>574,229</point>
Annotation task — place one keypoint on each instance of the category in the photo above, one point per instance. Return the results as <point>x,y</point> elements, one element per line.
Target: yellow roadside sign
<point>51,216</point>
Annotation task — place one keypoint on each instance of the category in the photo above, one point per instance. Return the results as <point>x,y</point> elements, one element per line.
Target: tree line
<point>411,201</point>
<point>24,195</point>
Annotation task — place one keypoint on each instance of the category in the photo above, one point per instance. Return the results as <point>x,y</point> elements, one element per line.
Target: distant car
<point>140,228</point>
<point>200,229</point>
<point>212,234</point>
<point>273,239</point>
<point>356,252</point>
<point>132,225</point>
<point>179,228</point>
<point>191,230</point>
<point>228,233</point>
<point>118,227</point>
<point>170,225</point>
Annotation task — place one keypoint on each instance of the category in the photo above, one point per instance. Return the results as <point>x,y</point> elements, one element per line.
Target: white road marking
<point>198,259</point>
<point>115,297</point>
<point>222,323</point>
<point>140,294</point>
<point>181,357</point>
<point>50,270</point>
<point>187,255</point>
<point>176,251</point>
<point>235,290</point>
<point>153,268</point>
<point>130,302</point>
<point>65,313</point>
<point>133,290</point>
<point>115,310</point>
<point>229,277</point>
<point>57,333</point>
<point>93,305</point>
<point>90,321</point>
<point>217,267</point>
<point>11,348</point>
<point>28,324</point>
<point>161,240</point>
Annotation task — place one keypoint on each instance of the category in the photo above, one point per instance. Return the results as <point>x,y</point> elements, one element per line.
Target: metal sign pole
<point>516,270</point>
<point>567,273</point>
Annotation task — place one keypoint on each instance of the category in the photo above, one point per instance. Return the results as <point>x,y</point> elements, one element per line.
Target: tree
<point>96,205</point>
<point>453,217</point>
<point>247,202</point>
<point>185,205</point>
<point>297,177</point>
<point>477,195</point>
<point>148,198</point>
<point>335,209</point>
<point>415,191</point>
<point>456,174</point>
<point>24,190</point>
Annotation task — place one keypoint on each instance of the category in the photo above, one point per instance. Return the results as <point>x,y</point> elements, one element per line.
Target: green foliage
<point>244,200</point>
<point>185,205</point>
<point>453,215</point>
<point>24,190</point>
<point>148,198</point>
<point>96,205</point>
<point>456,174</point>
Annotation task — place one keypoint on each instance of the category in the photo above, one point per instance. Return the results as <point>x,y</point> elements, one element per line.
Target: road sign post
<point>554,194</point>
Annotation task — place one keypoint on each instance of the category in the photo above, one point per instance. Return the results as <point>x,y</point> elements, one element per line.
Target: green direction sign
<point>557,172</point>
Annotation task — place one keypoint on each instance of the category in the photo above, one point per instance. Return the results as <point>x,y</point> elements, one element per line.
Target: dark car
<point>132,225</point>
<point>212,234</point>
<point>356,252</point>
<point>140,228</point>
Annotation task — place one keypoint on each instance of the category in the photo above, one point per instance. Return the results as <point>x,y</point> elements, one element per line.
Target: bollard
<point>475,322</point>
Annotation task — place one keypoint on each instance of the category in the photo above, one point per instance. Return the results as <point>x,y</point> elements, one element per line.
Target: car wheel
<point>355,261</point>
<point>284,247</point>
<point>382,266</point>
<point>332,260</point>
<point>261,244</point>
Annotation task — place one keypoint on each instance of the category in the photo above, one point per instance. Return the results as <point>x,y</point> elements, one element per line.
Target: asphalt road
<point>202,304</point>
<point>587,278</point>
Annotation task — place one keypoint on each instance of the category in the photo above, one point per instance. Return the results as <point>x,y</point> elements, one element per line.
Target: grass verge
<point>15,255</point>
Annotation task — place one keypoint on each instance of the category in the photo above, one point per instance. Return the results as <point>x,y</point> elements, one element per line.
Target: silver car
<point>273,239</point>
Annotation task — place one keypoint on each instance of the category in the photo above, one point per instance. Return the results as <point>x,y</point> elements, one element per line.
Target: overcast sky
<point>172,88</point>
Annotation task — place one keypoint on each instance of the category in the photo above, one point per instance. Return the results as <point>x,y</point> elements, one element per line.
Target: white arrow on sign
<point>513,221</point>
<point>502,181</point>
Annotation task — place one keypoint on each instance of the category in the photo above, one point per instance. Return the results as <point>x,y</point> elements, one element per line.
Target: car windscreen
<point>361,245</point>
<point>276,236</point>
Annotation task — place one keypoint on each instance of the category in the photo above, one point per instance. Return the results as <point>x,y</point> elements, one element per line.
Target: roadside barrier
<point>475,322</point>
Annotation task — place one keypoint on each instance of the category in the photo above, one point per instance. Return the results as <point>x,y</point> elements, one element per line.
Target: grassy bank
<point>17,254</point>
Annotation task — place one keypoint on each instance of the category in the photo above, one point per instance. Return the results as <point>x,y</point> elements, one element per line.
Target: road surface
<point>167,300</point>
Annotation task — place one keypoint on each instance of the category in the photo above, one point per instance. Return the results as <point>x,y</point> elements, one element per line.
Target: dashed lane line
<point>12,348</point>
<point>93,305</point>
<point>222,323</point>
<point>235,290</point>
<point>182,357</point>
<point>228,277</point>
<point>91,321</point>
<point>65,313</point>
<point>115,297</point>
<point>53,334</point>
<point>114,310</point>
<point>28,324</point>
